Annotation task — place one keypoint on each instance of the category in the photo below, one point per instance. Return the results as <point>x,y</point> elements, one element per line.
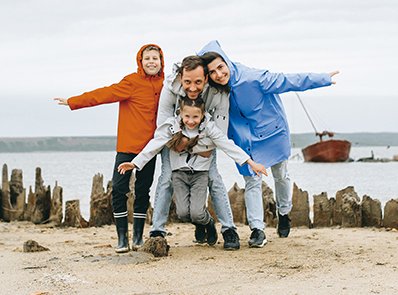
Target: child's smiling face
<point>151,62</point>
<point>191,116</point>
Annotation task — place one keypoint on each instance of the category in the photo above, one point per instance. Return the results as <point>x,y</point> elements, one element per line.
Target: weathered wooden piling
<point>322,210</point>
<point>100,202</point>
<point>391,214</point>
<point>300,214</point>
<point>56,212</point>
<point>269,204</point>
<point>39,202</point>
<point>73,216</point>
<point>351,212</point>
<point>13,195</point>
<point>371,212</point>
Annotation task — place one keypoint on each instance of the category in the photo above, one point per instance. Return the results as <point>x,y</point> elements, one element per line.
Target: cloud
<point>63,48</point>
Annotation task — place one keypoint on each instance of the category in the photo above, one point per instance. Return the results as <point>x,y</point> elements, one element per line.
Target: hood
<point>214,46</point>
<point>140,69</point>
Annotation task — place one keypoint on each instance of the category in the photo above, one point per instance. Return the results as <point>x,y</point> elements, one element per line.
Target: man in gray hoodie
<point>190,80</point>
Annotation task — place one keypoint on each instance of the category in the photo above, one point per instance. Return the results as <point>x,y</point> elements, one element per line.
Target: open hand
<point>331,74</point>
<point>257,168</point>
<point>124,167</point>
<point>61,101</point>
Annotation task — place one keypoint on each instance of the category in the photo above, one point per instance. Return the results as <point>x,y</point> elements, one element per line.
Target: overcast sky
<point>52,48</point>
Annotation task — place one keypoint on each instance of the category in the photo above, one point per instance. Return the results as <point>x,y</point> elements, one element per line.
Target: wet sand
<point>310,261</point>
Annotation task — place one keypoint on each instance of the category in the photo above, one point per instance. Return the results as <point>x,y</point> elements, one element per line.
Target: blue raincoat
<point>257,120</point>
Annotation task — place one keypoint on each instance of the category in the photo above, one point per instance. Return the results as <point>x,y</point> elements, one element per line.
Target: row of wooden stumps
<point>42,206</point>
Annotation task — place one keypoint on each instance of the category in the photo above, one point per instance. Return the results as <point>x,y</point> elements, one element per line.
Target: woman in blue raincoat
<point>258,124</point>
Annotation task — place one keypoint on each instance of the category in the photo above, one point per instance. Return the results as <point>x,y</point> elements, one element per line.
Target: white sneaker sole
<point>258,245</point>
<point>122,250</point>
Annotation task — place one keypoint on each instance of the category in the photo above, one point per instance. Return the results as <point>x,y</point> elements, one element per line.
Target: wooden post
<point>322,210</point>
<point>351,212</point>
<point>41,200</point>
<point>13,195</point>
<point>371,212</point>
<point>238,205</point>
<point>391,214</point>
<point>100,204</point>
<point>73,216</point>
<point>300,213</point>
<point>56,213</point>
<point>269,204</point>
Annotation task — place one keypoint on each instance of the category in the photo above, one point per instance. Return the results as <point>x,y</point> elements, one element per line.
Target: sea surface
<point>74,171</point>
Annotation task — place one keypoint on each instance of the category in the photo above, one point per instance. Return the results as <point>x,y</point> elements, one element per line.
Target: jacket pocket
<point>270,129</point>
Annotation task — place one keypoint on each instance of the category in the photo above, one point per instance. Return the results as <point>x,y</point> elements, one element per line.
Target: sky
<point>53,48</point>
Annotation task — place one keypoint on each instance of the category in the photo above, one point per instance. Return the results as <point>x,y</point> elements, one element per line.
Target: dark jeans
<point>120,185</point>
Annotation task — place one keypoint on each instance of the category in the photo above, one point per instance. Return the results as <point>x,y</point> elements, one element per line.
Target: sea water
<point>74,171</point>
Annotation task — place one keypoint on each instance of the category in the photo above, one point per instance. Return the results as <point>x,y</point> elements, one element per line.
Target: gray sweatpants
<point>190,189</point>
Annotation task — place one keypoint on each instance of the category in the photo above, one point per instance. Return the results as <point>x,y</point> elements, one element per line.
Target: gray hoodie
<point>216,104</point>
<point>207,130</point>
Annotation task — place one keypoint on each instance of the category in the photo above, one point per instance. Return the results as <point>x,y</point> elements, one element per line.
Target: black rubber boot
<point>138,231</point>
<point>122,235</point>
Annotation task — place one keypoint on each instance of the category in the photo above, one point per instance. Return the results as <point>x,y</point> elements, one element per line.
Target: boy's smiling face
<point>151,62</point>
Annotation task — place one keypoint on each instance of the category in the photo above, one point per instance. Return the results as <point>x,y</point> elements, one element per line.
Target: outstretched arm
<point>61,101</point>
<point>257,168</point>
<point>124,167</point>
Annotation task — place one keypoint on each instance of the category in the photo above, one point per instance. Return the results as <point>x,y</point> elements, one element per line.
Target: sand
<point>310,261</point>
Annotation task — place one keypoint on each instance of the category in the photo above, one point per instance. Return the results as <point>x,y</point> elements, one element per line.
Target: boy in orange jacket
<point>138,97</point>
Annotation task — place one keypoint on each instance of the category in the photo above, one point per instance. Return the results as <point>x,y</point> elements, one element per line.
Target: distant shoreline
<point>108,143</point>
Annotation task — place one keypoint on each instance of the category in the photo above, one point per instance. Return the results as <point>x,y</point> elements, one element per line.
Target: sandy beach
<point>310,261</point>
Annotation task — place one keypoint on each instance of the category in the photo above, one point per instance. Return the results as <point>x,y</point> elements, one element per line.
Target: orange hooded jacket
<point>138,97</point>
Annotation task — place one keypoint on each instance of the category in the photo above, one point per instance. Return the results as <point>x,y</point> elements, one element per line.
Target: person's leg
<point>198,197</point>
<point>120,187</point>
<point>254,202</point>
<point>143,183</point>
<point>199,213</point>
<point>163,195</point>
<point>181,189</point>
<point>283,196</point>
<point>220,197</point>
<point>255,210</point>
<point>222,207</point>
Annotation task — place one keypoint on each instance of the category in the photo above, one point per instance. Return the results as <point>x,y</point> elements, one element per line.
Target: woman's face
<point>219,71</point>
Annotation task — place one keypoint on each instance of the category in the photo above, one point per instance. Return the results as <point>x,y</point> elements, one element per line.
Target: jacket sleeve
<point>226,145</point>
<point>280,83</point>
<point>167,103</point>
<point>154,146</point>
<point>114,93</point>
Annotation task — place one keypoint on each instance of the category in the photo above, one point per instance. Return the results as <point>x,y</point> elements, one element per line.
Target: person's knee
<point>183,214</point>
<point>198,217</point>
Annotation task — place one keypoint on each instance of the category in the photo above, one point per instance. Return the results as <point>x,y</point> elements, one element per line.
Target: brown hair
<point>190,63</point>
<point>207,58</point>
<point>179,138</point>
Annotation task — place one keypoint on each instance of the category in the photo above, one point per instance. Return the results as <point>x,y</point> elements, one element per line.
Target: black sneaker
<point>231,239</point>
<point>200,233</point>
<point>156,233</point>
<point>257,239</point>
<point>283,225</point>
<point>211,232</point>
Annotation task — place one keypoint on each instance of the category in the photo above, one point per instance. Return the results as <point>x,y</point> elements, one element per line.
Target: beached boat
<point>331,150</point>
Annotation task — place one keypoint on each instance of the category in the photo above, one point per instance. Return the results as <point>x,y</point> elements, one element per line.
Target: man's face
<point>193,82</point>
